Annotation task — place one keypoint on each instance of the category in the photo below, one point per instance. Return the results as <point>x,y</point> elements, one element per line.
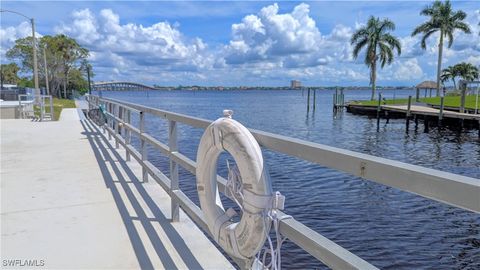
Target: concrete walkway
<point>69,200</point>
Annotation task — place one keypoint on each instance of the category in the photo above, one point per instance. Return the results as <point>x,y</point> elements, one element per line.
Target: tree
<point>450,73</point>
<point>467,72</point>
<point>379,43</point>
<point>63,55</point>
<point>8,73</point>
<point>445,20</point>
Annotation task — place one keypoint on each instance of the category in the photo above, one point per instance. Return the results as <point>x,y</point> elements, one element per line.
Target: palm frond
<point>360,33</point>
<point>358,46</point>
<point>423,43</point>
<point>393,42</point>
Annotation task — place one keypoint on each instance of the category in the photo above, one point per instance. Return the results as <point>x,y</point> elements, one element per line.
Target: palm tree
<point>446,21</point>
<point>379,43</point>
<point>467,72</point>
<point>450,73</point>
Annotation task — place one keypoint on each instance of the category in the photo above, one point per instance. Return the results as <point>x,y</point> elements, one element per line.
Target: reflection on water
<point>387,227</point>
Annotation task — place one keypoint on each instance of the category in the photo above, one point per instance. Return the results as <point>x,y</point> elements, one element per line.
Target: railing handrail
<point>429,183</point>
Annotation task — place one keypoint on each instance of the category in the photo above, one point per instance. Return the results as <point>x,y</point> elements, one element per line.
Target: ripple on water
<point>387,227</point>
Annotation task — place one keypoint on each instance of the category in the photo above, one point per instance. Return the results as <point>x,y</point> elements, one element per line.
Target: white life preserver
<point>243,239</point>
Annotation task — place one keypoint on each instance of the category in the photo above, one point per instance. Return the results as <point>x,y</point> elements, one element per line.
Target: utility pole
<point>46,69</point>
<point>35,64</point>
<point>34,47</point>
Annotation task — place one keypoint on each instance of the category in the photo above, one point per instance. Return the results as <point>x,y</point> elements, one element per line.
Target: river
<point>387,227</point>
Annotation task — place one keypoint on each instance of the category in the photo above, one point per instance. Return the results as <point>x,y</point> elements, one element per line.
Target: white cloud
<point>126,45</point>
<point>409,70</point>
<point>268,46</point>
<point>289,40</point>
<point>8,35</point>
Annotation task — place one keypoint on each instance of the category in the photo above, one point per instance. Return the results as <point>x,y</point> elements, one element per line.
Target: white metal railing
<point>27,103</point>
<point>452,189</point>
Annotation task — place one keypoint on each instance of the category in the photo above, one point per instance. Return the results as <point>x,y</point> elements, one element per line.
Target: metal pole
<point>143,146</point>
<point>51,109</point>
<point>46,70</point>
<point>172,144</point>
<point>116,112</point>
<point>128,138</point>
<point>35,64</point>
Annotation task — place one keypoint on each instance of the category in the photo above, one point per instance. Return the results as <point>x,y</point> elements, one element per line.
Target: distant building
<point>295,84</point>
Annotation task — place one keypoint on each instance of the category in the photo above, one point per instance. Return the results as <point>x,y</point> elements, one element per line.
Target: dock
<point>429,114</point>
<point>430,111</point>
<point>69,200</point>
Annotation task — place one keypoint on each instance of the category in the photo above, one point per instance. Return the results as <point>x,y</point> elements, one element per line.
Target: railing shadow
<point>106,154</point>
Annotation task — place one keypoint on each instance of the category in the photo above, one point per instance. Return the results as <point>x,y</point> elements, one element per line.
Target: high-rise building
<point>295,84</point>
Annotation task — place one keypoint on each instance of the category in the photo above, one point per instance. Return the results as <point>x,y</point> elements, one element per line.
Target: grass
<point>58,105</point>
<point>450,101</point>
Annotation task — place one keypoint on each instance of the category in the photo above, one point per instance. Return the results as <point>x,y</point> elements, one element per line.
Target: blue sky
<point>237,42</point>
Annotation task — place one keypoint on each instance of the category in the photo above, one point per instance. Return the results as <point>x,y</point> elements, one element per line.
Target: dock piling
<point>409,107</point>
<point>308,100</point>
<point>379,108</point>
<point>440,115</point>
<point>426,124</point>
<point>314,99</point>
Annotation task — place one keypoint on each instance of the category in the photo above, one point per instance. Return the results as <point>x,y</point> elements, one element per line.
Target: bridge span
<point>121,86</point>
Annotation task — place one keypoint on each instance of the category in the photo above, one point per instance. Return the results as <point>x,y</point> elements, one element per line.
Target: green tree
<point>450,73</point>
<point>467,72</point>
<point>8,73</point>
<point>63,55</point>
<point>445,20</point>
<point>380,45</point>
<point>26,82</point>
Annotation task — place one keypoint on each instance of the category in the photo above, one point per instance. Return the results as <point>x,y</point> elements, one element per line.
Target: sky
<point>230,43</point>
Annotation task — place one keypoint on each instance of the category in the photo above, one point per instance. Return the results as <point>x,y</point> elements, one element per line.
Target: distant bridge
<point>121,86</point>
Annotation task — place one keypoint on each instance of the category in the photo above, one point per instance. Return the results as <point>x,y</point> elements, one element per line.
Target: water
<point>389,228</point>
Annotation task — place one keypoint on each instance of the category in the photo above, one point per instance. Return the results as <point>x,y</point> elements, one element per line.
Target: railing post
<point>172,143</point>
<point>115,113</point>
<point>51,108</point>
<point>143,146</point>
<point>110,123</point>
<point>42,108</point>
<point>128,134</point>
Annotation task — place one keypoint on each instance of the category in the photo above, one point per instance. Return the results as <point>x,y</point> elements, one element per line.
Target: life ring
<point>243,239</point>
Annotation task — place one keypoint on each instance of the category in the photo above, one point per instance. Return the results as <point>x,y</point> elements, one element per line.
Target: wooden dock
<point>429,111</point>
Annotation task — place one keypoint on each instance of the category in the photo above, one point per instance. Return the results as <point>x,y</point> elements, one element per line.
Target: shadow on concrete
<point>106,154</point>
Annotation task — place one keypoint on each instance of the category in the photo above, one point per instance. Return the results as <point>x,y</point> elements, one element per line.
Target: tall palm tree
<point>379,43</point>
<point>445,20</point>
<point>450,73</point>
